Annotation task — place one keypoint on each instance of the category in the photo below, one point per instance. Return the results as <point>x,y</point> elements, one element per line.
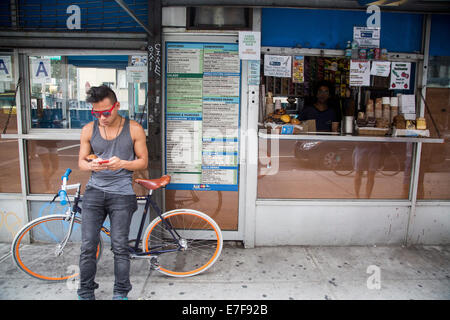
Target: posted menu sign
<point>202,112</point>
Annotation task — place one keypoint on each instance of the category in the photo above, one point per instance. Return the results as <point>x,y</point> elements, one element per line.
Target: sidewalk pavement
<point>272,273</point>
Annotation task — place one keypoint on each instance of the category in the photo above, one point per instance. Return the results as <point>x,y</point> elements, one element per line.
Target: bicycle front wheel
<point>198,235</point>
<point>37,251</point>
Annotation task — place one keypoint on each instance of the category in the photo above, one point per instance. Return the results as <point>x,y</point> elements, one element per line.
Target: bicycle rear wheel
<point>391,166</point>
<point>199,235</point>
<point>35,248</point>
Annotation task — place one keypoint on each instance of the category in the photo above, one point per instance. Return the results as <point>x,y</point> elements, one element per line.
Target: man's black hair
<point>97,94</point>
<point>323,83</point>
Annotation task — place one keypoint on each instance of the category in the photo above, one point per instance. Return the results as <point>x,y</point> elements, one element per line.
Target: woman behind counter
<point>326,118</point>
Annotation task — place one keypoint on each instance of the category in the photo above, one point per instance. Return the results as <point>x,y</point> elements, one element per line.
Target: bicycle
<point>341,162</point>
<point>179,243</point>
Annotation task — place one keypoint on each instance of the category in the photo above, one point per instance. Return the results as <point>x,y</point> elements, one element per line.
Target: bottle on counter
<point>394,107</point>
<point>378,108</point>
<point>269,103</point>
<point>277,104</point>
<point>348,50</point>
<point>386,113</point>
<point>355,50</point>
<point>370,109</point>
<point>370,54</point>
<point>363,53</point>
<point>383,54</point>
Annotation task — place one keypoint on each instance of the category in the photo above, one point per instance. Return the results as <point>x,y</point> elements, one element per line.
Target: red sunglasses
<point>105,113</point>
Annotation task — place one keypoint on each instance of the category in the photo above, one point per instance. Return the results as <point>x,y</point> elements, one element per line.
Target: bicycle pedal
<point>154,264</point>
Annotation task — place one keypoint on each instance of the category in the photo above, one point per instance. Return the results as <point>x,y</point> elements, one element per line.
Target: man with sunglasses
<point>119,146</point>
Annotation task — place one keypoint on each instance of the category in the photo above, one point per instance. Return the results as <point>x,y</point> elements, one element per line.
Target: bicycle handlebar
<point>62,193</point>
<point>66,174</point>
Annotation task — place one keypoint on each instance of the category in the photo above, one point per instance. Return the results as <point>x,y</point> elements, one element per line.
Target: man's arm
<point>140,150</point>
<point>85,150</point>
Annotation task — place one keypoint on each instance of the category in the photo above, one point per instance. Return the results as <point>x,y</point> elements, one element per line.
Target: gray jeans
<point>96,206</point>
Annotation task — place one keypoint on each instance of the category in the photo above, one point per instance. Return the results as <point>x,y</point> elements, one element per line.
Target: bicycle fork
<point>60,246</point>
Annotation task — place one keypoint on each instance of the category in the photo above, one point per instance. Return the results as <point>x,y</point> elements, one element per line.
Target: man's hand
<point>94,165</point>
<point>114,164</point>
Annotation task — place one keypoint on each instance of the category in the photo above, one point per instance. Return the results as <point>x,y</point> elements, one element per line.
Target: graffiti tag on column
<point>154,58</point>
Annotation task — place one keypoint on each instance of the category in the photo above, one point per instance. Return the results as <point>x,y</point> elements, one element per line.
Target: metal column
<point>154,51</point>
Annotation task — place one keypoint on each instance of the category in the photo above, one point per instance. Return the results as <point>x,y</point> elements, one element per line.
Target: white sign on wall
<point>380,68</point>
<point>138,61</point>
<point>41,71</point>
<point>367,37</point>
<point>5,68</point>
<point>137,74</point>
<point>277,66</point>
<point>359,73</point>
<point>400,74</point>
<point>249,45</point>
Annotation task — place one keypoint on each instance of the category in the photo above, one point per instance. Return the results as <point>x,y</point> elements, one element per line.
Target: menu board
<point>202,112</point>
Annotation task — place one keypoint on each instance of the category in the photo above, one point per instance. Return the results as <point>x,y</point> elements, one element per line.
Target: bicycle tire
<point>203,237</point>
<point>392,159</point>
<point>337,163</point>
<point>43,234</point>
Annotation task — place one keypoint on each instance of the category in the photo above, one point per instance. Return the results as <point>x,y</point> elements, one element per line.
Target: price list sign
<point>202,112</point>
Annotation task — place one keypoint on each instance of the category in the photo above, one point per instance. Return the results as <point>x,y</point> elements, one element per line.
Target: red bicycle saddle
<point>153,184</point>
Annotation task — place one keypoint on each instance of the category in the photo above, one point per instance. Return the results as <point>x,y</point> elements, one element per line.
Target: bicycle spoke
<point>42,258</point>
<point>199,243</point>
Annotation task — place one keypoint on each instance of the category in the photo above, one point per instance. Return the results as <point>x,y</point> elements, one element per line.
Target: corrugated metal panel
<point>422,6</point>
<point>331,29</point>
<point>440,35</point>
<point>74,40</point>
<point>5,14</point>
<point>96,15</point>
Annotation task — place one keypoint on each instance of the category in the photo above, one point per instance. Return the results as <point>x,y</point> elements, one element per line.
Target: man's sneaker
<point>119,297</point>
<point>86,298</point>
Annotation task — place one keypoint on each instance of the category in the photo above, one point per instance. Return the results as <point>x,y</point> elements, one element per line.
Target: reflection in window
<point>8,111</point>
<point>9,166</point>
<point>49,159</point>
<point>434,174</point>
<point>9,148</point>
<point>59,85</point>
<point>308,169</point>
<point>222,206</point>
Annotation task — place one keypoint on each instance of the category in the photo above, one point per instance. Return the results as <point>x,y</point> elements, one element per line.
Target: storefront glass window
<point>59,85</point>
<point>319,99</point>
<point>9,166</point>
<point>434,174</point>
<point>308,169</point>
<point>9,155</point>
<point>222,206</point>
<point>49,159</point>
<point>8,114</point>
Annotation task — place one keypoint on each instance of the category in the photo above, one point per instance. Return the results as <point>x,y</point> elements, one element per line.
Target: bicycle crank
<point>154,263</point>
<point>183,244</point>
